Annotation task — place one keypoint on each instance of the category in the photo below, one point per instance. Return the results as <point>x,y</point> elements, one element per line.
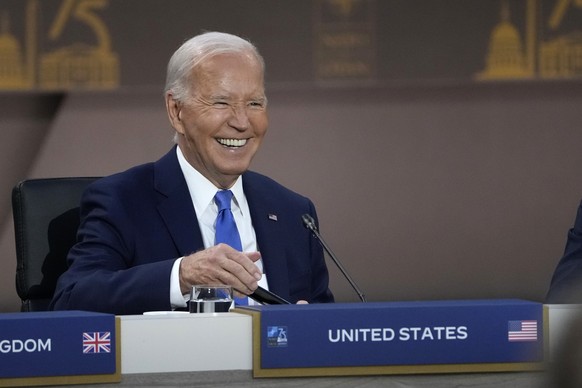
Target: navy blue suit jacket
<point>136,223</point>
<point>566,285</point>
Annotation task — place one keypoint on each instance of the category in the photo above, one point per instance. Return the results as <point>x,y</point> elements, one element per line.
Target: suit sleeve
<point>566,284</point>
<point>107,272</point>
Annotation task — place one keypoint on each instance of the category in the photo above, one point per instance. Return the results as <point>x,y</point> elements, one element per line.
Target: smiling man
<point>148,234</point>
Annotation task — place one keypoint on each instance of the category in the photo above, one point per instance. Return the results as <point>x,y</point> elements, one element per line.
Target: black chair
<point>46,218</point>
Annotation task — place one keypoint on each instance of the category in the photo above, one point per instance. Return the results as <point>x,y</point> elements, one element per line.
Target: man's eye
<point>220,104</point>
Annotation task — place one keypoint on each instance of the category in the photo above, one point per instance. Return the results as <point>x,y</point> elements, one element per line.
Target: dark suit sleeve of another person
<point>566,285</point>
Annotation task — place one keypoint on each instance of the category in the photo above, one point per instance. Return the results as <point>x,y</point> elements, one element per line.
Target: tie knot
<point>222,199</point>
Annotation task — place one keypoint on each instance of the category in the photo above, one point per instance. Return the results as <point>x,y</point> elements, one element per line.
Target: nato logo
<point>277,336</point>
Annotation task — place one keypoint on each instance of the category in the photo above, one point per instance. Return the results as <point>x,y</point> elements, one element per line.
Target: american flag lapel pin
<point>272,217</point>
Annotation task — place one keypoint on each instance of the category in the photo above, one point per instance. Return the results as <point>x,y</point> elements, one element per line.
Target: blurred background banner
<point>97,44</point>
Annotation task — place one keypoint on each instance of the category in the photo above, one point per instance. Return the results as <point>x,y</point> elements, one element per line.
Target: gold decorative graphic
<point>11,59</point>
<point>80,65</point>
<point>557,57</point>
<point>506,57</point>
<point>16,69</point>
<point>342,7</point>
<point>560,10</point>
<point>345,39</point>
<point>562,57</point>
<point>77,66</point>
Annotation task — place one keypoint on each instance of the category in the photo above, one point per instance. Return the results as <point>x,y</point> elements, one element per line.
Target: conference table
<point>237,372</point>
<point>165,349</point>
<point>241,378</point>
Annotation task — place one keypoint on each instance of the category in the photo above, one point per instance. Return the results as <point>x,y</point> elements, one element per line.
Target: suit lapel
<point>175,204</point>
<point>265,215</point>
<point>177,211</point>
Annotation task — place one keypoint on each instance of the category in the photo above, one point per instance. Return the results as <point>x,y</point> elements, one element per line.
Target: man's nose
<point>239,119</point>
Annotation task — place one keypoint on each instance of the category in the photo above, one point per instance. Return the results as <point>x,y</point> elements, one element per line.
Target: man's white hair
<point>197,49</point>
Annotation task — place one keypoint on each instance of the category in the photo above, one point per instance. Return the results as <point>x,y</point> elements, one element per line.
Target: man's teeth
<point>232,142</point>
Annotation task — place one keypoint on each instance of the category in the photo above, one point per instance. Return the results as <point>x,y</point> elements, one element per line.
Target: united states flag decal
<point>522,331</point>
<point>97,342</point>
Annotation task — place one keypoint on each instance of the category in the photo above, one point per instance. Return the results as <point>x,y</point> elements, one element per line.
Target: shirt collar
<point>202,191</point>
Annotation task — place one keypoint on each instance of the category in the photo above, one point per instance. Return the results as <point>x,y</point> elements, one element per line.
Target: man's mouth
<point>234,143</point>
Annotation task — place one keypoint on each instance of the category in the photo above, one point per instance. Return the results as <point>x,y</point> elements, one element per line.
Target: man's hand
<point>221,264</point>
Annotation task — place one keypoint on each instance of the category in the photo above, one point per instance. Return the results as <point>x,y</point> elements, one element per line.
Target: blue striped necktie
<point>226,230</point>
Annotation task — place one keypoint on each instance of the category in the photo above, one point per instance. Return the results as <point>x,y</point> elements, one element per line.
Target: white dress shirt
<point>202,192</point>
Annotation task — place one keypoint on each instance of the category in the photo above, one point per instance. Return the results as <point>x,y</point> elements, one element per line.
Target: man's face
<point>221,125</point>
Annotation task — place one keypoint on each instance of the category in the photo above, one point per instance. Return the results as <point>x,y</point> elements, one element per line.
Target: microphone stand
<point>309,223</point>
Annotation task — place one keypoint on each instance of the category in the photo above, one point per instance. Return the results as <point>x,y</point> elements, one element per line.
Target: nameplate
<point>68,343</point>
<point>481,335</point>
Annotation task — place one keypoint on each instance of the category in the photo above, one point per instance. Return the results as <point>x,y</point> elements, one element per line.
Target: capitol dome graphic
<point>505,56</point>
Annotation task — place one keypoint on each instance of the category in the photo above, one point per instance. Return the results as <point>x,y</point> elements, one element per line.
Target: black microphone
<point>309,223</point>
<point>264,296</point>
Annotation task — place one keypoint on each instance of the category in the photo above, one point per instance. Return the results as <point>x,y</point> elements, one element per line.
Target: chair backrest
<point>46,218</point>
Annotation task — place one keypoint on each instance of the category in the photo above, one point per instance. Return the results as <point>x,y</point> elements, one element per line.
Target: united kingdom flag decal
<point>97,342</point>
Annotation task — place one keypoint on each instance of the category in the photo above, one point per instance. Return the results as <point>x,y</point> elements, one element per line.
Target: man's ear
<point>174,110</point>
